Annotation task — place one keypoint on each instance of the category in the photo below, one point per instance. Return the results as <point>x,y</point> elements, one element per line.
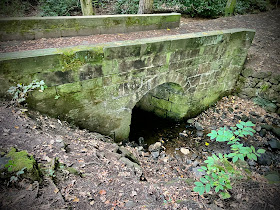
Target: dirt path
<point>263,55</point>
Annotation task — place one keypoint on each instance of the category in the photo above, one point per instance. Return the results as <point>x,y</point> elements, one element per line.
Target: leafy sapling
<point>20,91</point>
<point>219,170</point>
<point>232,137</point>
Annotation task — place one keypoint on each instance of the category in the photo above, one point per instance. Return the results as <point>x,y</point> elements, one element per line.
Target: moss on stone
<point>22,159</point>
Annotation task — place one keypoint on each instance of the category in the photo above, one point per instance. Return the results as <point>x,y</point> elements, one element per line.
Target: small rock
<point>273,178</point>
<point>126,153</point>
<point>252,163</point>
<point>141,141</point>
<point>190,121</point>
<point>199,133</point>
<point>59,139</point>
<point>266,104</point>
<point>188,161</point>
<point>274,143</point>
<point>258,128</point>
<point>262,132</point>
<point>244,118</point>
<point>183,134</point>
<point>194,156</point>
<point>155,154</point>
<point>198,126</point>
<point>145,154</point>
<point>155,146</point>
<point>133,193</point>
<point>140,148</point>
<point>237,117</point>
<point>185,151</point>
<point>129,163</point>
<point>267,127</point>
<point>129,204</point>
<point>253,120</point>
<point>276,131</point>
<point>195,163</point>
<point>264,159</point>
<point>254,114</point>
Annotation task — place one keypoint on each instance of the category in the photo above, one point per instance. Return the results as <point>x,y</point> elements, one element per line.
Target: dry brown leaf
<point>56,190</point>
<point>102,192</point>
<point>76,199</point>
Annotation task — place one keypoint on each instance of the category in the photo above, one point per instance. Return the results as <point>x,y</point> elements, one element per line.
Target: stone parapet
<point>28,28</point>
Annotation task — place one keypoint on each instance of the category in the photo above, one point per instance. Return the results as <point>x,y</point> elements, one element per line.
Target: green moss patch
<point>20,160</point>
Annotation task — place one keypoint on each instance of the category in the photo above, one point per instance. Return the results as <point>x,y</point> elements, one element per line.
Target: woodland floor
<point>105,182</point>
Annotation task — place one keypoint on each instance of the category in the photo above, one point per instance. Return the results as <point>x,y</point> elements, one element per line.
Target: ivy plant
<point>219,171</point>
<point>20,91</point>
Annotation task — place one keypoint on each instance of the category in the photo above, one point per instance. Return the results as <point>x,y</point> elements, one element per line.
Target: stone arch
<point>152,83</point>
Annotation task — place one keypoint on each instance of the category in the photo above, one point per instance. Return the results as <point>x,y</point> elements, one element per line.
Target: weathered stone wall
<point>99,85</point>
<point>52,27</point>
<point>167,100</point>
<point>262,87</point>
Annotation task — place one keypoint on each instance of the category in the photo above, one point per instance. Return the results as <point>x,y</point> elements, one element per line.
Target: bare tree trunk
<point>87,8</point>
<point>145,6</point>
<point>230,7</point>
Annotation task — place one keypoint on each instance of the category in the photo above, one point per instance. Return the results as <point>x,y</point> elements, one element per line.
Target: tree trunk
<point>87,8</point>
<point>145,6</point>
<point>230,7</point>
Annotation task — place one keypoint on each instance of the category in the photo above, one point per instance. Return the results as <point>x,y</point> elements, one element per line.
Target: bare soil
<point>100,180</point>
<point>103,181</point>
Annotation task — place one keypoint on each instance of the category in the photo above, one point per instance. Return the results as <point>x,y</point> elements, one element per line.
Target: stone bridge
<point>174,76</point>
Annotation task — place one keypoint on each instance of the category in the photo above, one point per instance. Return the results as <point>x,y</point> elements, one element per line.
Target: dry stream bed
<point>92,172</point>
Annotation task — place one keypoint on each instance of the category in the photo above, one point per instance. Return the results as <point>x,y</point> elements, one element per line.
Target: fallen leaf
<point>56,190</point>
<point>16,127</point>
<point>102,192</point>
<point>76,199</point>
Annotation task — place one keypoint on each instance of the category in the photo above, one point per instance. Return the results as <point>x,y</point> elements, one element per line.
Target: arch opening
<point>157,114</point>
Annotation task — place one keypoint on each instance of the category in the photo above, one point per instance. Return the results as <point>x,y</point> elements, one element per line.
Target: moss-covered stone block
<point>53,27</point>
<point>21,159</point>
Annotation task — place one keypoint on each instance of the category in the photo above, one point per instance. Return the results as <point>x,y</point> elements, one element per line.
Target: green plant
<point>57,97</point>
<point>20,92</point>
<point>264,87</point>
<point>59,7</point>
<point>248,6</point>
<point>127,6</point>
<point>16,177</point>
<point>12,8</point>
<point>10,167</point>
<point>51,172</point>
<point>219,170</point>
